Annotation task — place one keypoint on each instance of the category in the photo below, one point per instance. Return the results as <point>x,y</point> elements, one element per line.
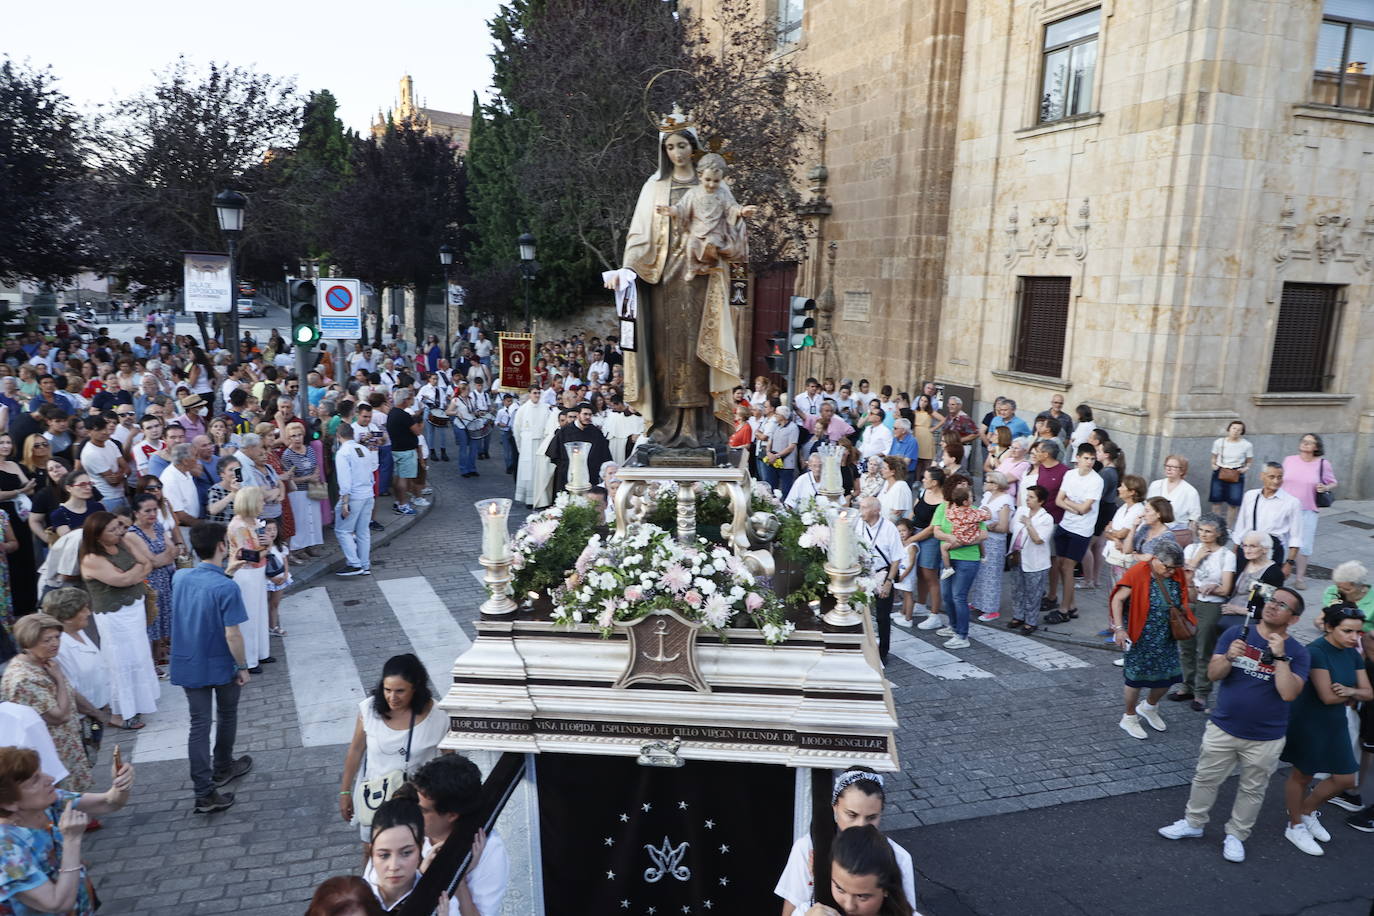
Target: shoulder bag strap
<point>409,735</point>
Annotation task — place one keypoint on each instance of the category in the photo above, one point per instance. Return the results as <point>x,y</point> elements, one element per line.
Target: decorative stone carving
<point>1044,229</point>
<point>1330,236</point>
<point>663,649</point>
<point>1329,244</point>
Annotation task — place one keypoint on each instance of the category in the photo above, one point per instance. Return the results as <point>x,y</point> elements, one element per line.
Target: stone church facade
<point>1163,210</point>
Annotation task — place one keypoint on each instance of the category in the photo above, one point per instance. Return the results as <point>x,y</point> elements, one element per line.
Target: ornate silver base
<point>842,586</point>
<point>498,580</point>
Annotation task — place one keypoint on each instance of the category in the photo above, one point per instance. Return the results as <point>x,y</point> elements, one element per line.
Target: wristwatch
<point>1282,658</point>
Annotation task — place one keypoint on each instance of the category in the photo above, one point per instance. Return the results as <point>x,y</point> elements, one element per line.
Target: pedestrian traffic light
<point>777,354</point>
<point>803,322</point>
<point>305,316</point>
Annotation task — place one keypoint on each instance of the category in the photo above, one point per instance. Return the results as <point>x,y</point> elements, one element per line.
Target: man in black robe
<point>579,430</point>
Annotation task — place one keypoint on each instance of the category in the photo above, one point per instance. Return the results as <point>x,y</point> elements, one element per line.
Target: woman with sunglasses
<point>1141,604</point>
<point>1318,737</point>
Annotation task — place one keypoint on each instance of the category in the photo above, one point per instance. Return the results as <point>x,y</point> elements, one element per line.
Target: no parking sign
<point>340,308</point>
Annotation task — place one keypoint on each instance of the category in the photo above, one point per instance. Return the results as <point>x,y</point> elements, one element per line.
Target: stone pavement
<point>1011,724</point>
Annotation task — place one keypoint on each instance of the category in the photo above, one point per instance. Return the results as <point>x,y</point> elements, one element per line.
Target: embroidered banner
<point>516,361</point>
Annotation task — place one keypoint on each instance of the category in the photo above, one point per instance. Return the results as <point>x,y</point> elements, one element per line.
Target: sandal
<point>276,631</point>
<point>132,724</point>
<point>1072,612</point>
<point>1015,624</point>
<point>1028,629</point>
<point>1056,617</point>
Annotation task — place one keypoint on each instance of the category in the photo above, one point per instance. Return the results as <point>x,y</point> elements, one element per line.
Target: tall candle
<point>577,464</point>
<point>830,469</point>
<point>842,541</point>
<point>494,514</point>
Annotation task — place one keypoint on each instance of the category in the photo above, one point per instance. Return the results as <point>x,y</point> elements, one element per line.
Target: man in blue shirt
<point>208,663</point>
<point>1262,670</point>
<point>1006,416</point>
<point>904,445</point>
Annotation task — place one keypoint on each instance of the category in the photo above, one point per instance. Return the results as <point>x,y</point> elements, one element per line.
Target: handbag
<point>377,790</point>
<point>1180,627</point>
<point>149,603</point>
<point>317,489</point>
<point>1228,475</point>
<point>1323,500</point>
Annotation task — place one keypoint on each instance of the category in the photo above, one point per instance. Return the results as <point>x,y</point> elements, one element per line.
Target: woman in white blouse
<point>1182,495</point>
<point>1116,550</point>
<point>79,657</point>
<point>1211,568</point>
<point>1232,455</point>
<point>895,495</point>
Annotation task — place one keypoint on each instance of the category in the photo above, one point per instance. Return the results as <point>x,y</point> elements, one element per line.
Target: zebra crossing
<point>326,685</point>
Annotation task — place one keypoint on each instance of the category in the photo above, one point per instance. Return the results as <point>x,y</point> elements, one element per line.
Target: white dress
<point>386,747</point>
<point>80,661</point>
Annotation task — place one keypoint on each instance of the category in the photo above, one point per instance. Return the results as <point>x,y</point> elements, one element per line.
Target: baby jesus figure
<point>714,221</point>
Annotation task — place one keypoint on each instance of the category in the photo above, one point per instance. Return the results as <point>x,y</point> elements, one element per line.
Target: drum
<point>438,419</point>
<point>478,427</point>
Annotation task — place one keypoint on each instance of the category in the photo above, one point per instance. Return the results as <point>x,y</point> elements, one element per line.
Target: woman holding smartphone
<point>247,566</point>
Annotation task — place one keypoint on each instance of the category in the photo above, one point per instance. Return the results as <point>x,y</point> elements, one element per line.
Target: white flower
<point>809,518</point>
<point>814,536</point>
<point>736,593</point>
<point>774,633</point>
<point>577,616</point>
<point>707,586</point>
<point>541,530</point>
<point>716,611</point>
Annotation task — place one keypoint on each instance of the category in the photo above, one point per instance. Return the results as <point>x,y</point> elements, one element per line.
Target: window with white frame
<point>789,21</point>
<point>1344,66</point>
<point>1068,63</point>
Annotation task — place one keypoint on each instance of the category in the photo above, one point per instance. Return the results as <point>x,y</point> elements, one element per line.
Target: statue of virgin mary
<point>681,375</point>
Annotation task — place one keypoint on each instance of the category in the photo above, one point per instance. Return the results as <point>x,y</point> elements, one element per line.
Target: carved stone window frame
<point>1039,17</point>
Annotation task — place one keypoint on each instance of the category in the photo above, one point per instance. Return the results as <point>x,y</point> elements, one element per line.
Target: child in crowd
<point>1032,529</point>
<point>278,574</point>
<point>964,519</point>
<point>906,571</point>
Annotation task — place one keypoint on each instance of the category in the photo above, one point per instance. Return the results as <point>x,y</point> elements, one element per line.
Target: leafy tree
<point>40,161</point>
<point>318,167</point>
<point>402,201</point>
<point>163,155</point>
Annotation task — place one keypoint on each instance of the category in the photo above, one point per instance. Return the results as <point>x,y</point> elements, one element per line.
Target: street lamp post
<point>529,268</point>
<point>446,259</point>
<point>229,207</point>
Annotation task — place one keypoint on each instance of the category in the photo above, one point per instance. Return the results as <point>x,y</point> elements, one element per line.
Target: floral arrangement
<point>803,539</point>
<point>624,579</point>
<point>549,543</point>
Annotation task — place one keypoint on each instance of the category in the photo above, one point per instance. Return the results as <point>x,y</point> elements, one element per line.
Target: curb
<point>317,568</point>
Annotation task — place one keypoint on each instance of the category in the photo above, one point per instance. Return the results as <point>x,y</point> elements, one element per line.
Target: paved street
<point>996,743</point>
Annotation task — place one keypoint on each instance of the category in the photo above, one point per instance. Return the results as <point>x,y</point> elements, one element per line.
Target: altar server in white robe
<point>531,422</point>
<point>542,492</point>
<point>619,427</point>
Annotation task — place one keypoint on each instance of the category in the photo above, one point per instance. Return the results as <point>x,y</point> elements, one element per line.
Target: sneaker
<point>1151,715</point>
<point>351,571</point>
<point>236,769</point>
<point>1232,849</point>
<point>1314,826</point>
<point>404,510</point>
<point>989,615</point>
<point>215,801</point>
<point>1350,801</point>
<point>933,622</point>
<point>946,572</point>
<point>1180,830</point>
<point>922,610</point>
<point>421,502</point>
<point>1131,726</point>
<point>375,526</point>
<point>1119,662</point>
<point>947,632</point>
<point>1298,835</point>
<point>1362,820</point>
<point>427,491</point>
<point>901,621</point>
<point>957,642</point>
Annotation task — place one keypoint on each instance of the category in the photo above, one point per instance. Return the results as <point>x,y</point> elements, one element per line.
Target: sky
<point>357,49</point>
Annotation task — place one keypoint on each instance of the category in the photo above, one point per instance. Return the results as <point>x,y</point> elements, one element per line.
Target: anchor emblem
<point>660,631</point>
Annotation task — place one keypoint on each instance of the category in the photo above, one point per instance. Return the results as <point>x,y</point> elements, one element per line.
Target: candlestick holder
<point>496,557</point>
<point>579,482</point>
<point>498,581</point>
<point>843,585</point>
<point>830,489</point>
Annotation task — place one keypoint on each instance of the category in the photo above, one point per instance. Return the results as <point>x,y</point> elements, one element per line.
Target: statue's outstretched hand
<point>749,212</point>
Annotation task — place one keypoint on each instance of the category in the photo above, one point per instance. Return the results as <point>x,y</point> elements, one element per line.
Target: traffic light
<point>305,317</point>
<point>777,354</point>
<point>803,322</point>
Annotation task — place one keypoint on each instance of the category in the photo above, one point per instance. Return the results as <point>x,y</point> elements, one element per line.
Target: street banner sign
<point>340,308</point>
<point>516,359</point>
<point>456,295</point>
<point>206,279</point>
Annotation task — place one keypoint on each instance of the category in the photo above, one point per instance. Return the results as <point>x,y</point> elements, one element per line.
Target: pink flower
<point>675,578</point>
<point>542,530</point>
<point>634,593</point>
<point>693,597</point>
<point>753,601</point>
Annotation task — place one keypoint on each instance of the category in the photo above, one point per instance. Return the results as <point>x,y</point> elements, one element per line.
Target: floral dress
<point>28,685</point>
<point>29,858</point>
<point>161,581</point>
<point>1153,659</point>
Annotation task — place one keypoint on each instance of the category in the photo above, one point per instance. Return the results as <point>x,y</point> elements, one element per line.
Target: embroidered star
<point>724,882</point>
<point>609,841</point>
<point>710,825</point>
<point>724,848</point>
<point>610,876</point>
<point>686,909</point>
<point>624,904</point>
<point>646,806</point>
<point>624,818</point>
<point>652,911</point>
<point>707,904</point>
<point>682,806</point>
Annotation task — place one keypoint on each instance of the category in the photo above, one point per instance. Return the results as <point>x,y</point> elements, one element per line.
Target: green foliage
<point>546,565</point>
<point>713,510</point>
<point>40,160</point>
